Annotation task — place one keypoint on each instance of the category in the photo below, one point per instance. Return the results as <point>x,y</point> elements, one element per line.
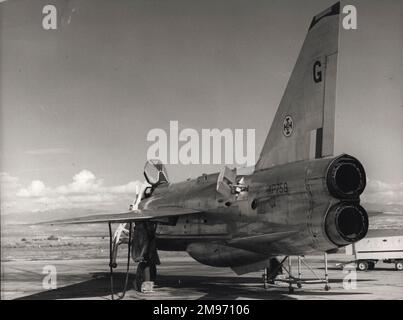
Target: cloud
<point>40,152</point>
<point>84,191</point>
<point>6,178</point>
<point>383,193</point>
<point>83,182</point>
<point>35,189</point>
<point>8,184</point>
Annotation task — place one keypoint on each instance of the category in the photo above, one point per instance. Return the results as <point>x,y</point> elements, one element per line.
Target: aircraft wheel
<point>399,266</point>
<point>142,275</point>
<point>362,265</point>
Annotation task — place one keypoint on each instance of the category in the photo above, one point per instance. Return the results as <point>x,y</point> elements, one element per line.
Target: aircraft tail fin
<point>303,127</point>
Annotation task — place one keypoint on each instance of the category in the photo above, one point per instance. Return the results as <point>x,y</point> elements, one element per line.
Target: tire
<point>371,265</point>
<point>362,265</point>
<point>399,266</point>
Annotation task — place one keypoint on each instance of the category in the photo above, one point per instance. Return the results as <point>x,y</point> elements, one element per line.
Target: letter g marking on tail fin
<point>317,71</point>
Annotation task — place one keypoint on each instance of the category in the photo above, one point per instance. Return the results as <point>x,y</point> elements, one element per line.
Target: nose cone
<point>346,223</point>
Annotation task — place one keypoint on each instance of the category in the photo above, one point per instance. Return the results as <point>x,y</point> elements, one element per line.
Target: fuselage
<point>305,198</point>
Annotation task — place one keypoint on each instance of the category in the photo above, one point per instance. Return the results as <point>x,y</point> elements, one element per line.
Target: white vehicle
<point>378,245</point>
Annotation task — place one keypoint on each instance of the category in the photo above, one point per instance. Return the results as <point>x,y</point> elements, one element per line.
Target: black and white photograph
<point>181,150</point>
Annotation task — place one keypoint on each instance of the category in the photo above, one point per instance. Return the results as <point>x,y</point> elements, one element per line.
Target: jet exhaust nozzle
<point>346,223</point>
<point>346,178</point>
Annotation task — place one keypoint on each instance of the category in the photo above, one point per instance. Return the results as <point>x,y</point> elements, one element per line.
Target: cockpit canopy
<point>155,172</point>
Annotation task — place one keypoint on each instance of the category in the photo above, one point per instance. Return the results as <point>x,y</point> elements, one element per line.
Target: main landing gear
<point>270,275</point>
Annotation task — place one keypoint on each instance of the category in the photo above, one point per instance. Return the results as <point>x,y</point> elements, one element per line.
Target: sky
<point>76,103</point>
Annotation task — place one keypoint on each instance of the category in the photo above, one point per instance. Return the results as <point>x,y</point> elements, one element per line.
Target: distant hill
<point>42,216</point>
<point>385,208</point>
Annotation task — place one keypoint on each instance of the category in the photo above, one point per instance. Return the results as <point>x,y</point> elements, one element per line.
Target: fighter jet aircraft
<point>300,199</point>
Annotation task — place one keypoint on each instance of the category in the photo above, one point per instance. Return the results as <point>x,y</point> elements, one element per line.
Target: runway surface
<point>180,277</point>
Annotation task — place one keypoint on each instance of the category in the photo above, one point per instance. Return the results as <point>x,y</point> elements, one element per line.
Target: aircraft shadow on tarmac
<point>204,287</point>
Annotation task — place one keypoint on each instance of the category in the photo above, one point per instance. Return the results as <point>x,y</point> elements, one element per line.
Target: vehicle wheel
<point>142,275</point>
<point>371,265</point>
<point>399,266</point>
<point>299,285</point>
<point>290,290</point>
<point>327,287</point>
<point>362,265</point>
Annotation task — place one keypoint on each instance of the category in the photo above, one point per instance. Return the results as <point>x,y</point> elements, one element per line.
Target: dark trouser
<point>144,248</point>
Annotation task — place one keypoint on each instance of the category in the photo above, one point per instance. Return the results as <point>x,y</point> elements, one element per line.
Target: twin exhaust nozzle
<point>346,222</point>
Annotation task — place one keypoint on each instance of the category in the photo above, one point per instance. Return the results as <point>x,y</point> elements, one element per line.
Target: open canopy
<point>155,172</point>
